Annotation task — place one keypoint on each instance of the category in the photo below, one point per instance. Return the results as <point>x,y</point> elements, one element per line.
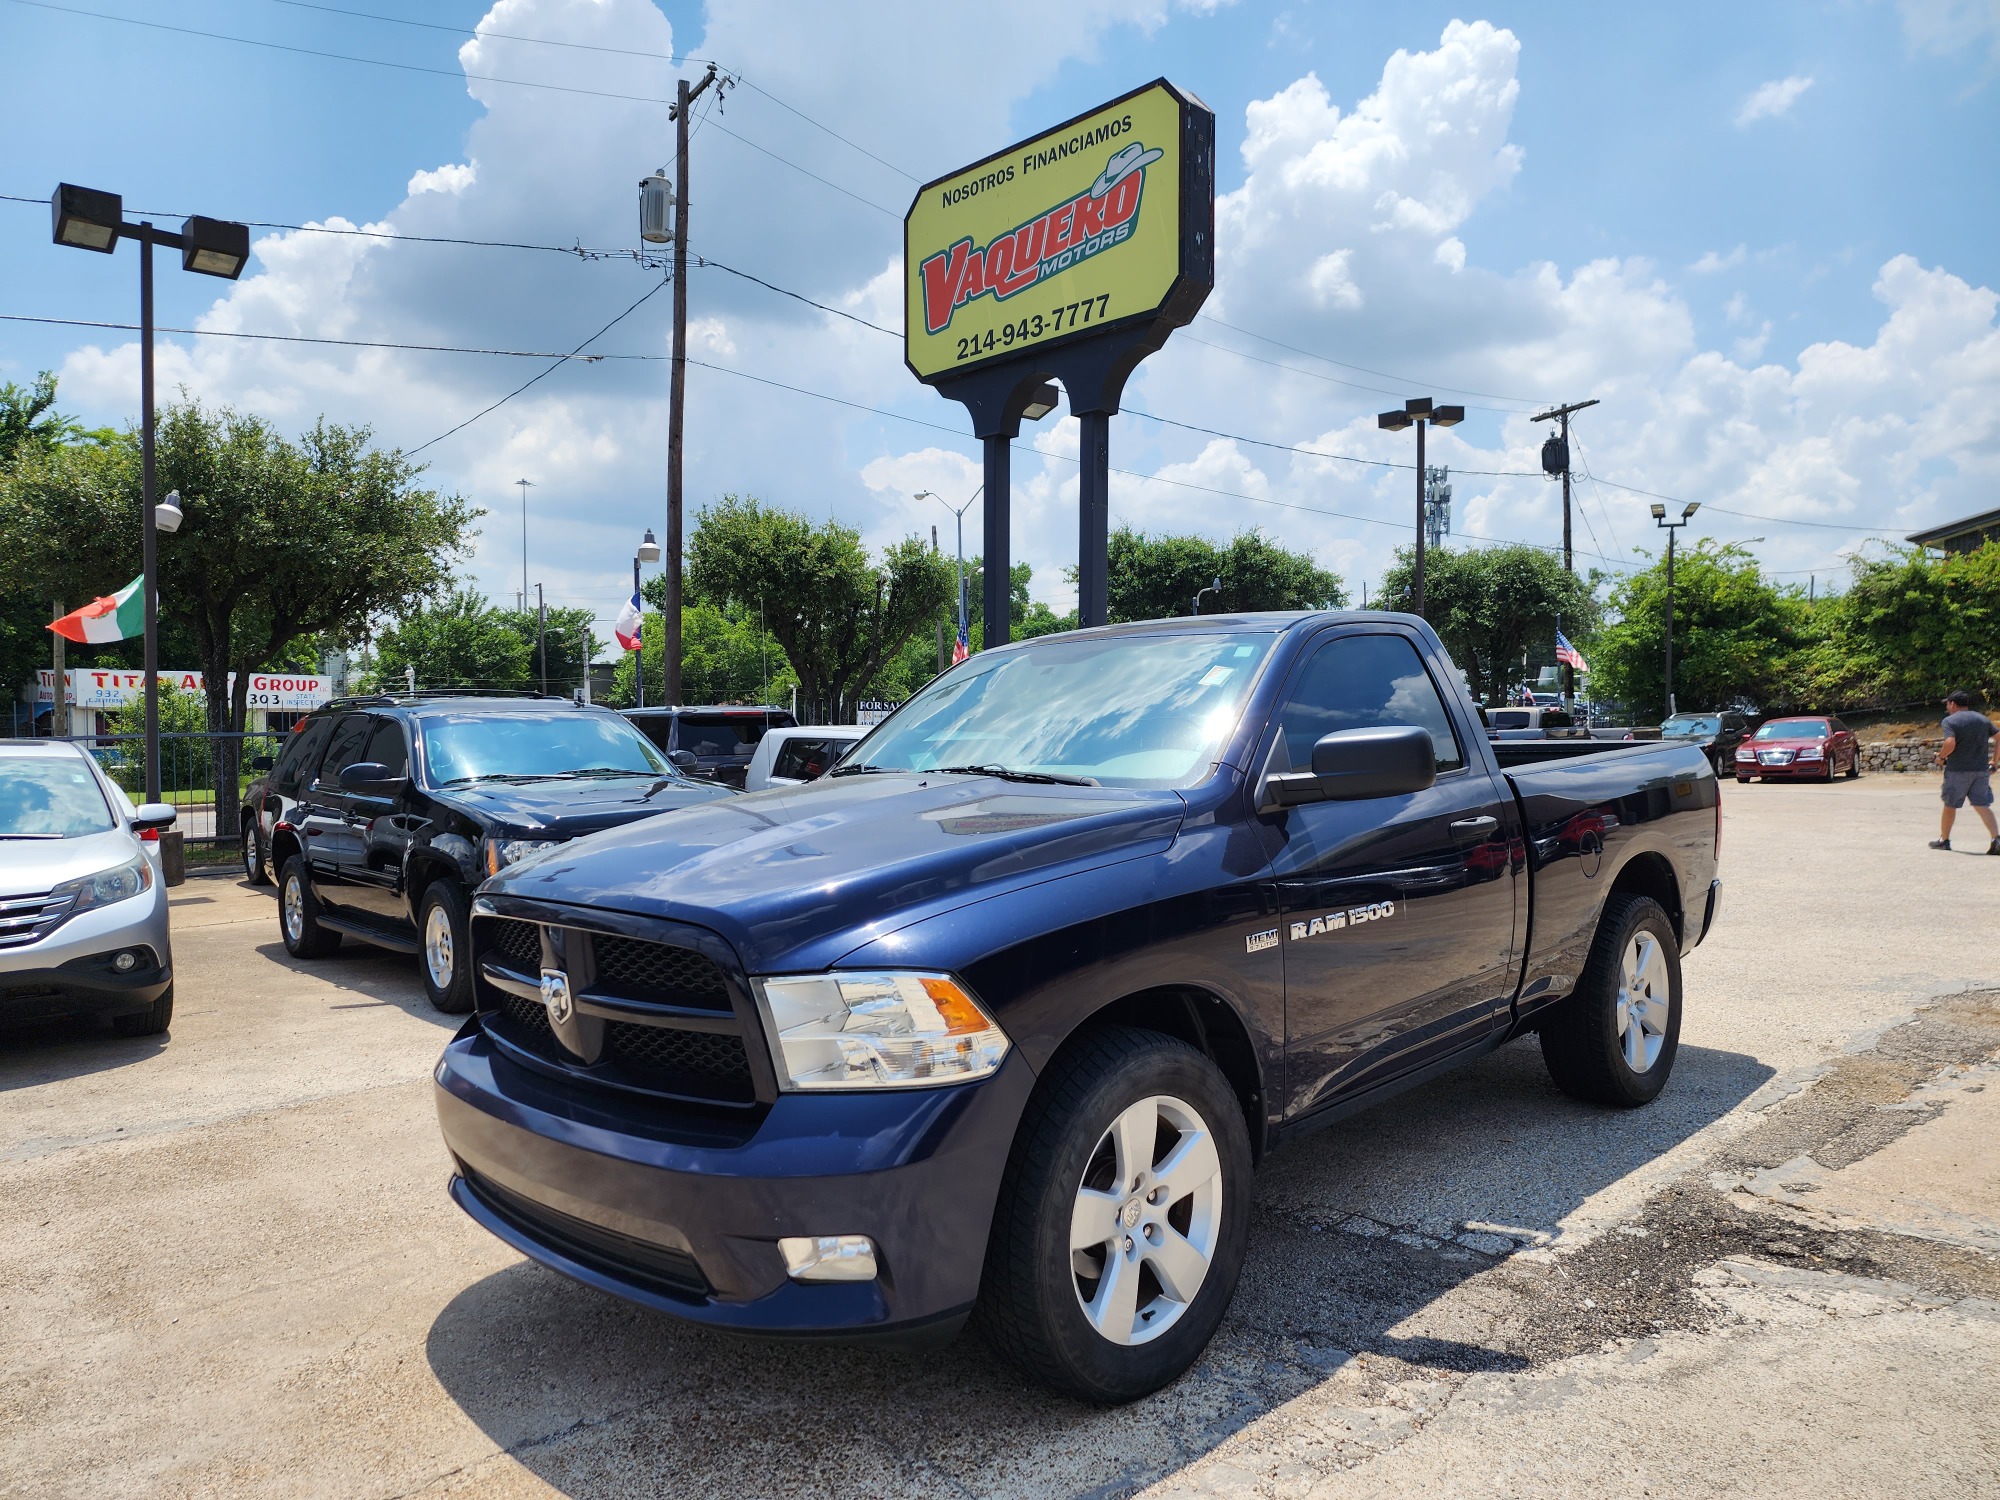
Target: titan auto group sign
<point>105,687</point>
<point>1058,237</point>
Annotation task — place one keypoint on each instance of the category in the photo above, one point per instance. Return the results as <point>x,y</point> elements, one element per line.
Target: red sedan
<point>1812,748</point>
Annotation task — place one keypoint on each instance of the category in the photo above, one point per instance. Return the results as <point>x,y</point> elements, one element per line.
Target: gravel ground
<point>227,1264</point>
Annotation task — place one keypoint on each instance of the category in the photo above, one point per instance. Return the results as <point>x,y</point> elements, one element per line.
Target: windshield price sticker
<point>1048,240</point>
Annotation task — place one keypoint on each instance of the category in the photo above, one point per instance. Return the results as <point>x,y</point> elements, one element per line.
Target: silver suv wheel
<point>438,952</point>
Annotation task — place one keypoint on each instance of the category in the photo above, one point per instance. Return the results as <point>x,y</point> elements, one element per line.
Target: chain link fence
<point>190,762</point>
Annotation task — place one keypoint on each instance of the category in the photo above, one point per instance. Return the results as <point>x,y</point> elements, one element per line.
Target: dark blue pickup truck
<point>999,1016</point>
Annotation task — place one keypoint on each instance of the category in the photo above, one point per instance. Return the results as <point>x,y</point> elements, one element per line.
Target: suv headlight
<point>500,853</point>
<point>120,883</point>
<point>891,1028</point>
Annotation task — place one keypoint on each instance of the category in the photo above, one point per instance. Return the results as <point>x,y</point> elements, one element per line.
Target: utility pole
<point>1555,460</point>
<point>677,395</point>
<point>542,637</point>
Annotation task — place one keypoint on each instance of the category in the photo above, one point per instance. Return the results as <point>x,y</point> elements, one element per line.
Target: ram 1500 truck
<point>998,1017</point>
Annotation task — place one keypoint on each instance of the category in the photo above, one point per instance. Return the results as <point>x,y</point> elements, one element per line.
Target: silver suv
<point>83,905</point>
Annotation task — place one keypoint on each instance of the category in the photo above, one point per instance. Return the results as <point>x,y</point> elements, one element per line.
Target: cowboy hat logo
<point>1133,158</point>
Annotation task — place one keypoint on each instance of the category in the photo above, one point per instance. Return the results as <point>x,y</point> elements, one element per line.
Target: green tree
<point>1156,577</point>
<point>837,615</point>
<point>461,641</point>
<point>725,657</point>
<point>1736,634</point>
<point>1912,627</point>
<point>184,763</point>
<point>1493,605</point>
<point>281,539</point>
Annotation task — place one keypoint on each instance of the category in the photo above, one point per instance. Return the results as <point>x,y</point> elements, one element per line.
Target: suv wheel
<point>256,864</point>
<point>149,1022</point>
<point>1122,1220</point>
<point>1613,1040</point>
<point>445,952</point>
<point>298,914</point>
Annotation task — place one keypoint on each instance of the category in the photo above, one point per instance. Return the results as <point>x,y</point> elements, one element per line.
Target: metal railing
<point>189,762</point>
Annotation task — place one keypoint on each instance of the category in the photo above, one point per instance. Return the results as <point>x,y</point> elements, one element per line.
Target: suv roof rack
<point>357,700</point>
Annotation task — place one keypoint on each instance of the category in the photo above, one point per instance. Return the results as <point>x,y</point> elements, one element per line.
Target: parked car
<point>83,900</point>
<point>1005,1008</point>
<point>720,740</point>
<point>383,814</point>
<point>801,753</point>
<point>1718,734</point>
<point>1521,722</point>
<point>1812,747</point>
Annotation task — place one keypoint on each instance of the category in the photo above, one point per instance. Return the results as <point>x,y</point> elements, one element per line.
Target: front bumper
<point>1794,770</point>
<point>681,1210</point>
<point>69,972</point>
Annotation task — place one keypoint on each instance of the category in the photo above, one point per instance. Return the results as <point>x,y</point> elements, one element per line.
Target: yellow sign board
<point>1050,240</point>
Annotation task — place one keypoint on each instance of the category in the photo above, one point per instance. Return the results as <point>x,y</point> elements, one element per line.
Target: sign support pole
<point>997,594</point>
<point>1093,564</point>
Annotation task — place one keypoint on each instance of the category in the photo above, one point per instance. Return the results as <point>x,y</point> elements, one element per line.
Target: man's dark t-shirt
<point>1971,731</point>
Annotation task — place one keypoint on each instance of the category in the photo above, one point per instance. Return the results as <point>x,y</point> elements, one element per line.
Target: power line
<point>796,296</point>
<point>299,338</point>
<point>806,172</point>
<point>1353,385</point>
<point>560,362</point>
<point>1749,515</point>
<point>505,36</point>
<point>1456,390</point>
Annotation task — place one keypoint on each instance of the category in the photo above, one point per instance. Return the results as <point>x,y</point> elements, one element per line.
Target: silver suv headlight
<point>876,1028</point>
<point>119,883</point>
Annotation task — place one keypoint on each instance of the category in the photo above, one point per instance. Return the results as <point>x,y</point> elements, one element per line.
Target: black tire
<point>1744,780</point>
<point>298,914</point>
<point>1854,766</point>
<point>150,1022</point>
<point>1030,1305</point>
<point>256,862</point>
<point>1583,1044</point>
<point>444,903</point>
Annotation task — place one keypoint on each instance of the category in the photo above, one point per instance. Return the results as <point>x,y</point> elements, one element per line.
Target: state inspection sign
<point>1055,239</point>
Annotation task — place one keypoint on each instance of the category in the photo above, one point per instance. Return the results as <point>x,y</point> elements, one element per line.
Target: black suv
<point>712,742</point>
<point>384,813</point>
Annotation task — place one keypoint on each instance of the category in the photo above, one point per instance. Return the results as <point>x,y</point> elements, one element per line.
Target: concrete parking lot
<point>228,1264</point>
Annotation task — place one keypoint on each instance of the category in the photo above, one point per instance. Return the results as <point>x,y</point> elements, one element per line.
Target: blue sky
<point>1787,311</point>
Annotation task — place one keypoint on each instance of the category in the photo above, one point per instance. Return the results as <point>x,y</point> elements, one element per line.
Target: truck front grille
<point>634,996</point>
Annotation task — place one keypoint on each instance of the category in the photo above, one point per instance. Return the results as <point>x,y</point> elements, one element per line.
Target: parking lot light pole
<point>649,551</point>
<point>964,625</point>
<point>1660,520</point>
<point>87,219</point>
<point>1419,412</point>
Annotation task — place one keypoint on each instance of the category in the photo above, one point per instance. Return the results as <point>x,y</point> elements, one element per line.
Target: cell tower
<point>1437,505</point>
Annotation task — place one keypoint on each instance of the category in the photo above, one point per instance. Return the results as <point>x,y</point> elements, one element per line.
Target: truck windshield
<point>487,746</point>
<point>1143,711</point>
<point>50,797</point>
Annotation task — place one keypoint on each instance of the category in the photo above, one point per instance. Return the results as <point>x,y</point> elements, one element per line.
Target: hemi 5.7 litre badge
<point>1336,921</point>
<point>1257,942</point>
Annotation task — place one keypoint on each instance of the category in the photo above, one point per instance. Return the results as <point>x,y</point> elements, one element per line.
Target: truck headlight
<point>120,883</point>
<point>890,1028</point>
<point>501,853</point>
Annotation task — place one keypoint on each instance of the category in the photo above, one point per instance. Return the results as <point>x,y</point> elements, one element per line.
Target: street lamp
<point>1213,588</point>
<point>87,219</point>
<point>1670,527</point>
<point>964,641</point>
<point>649,552</point>
<point>1419,412</point>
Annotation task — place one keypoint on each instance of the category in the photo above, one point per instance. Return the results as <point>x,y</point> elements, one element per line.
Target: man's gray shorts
<point>1961,787</point>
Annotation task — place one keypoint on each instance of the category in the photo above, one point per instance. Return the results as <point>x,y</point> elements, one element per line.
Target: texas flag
<point>626,626</point>
<point>116,618</point>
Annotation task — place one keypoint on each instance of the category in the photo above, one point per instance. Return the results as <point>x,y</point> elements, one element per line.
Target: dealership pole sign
<point>1066,258</point>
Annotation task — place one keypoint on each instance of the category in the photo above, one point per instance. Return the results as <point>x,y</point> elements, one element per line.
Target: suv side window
<point>804,758</point>
<point>387,746</point>
<point>301,756</point>
<point>1362,682</point>
<point>344,749</point>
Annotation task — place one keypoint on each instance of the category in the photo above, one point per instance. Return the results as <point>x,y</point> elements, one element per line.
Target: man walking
<point>1967,756</point>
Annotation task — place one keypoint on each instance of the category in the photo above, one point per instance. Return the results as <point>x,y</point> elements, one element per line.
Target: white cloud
<point>1711,263</point>
<point>1770,100</point>
<point>1947,26</point>
<point>450,178</point>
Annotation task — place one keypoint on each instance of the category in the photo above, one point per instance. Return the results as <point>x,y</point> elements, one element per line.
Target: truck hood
<point>30,866</point>
<point>569,809</point>
<point>794,877</point>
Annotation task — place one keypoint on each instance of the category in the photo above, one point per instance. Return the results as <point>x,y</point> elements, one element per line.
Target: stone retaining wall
<point>1901,755</point>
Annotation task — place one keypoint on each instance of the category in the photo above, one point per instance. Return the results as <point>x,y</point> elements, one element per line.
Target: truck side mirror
<point>1390,760</point>
<point>682,760</point>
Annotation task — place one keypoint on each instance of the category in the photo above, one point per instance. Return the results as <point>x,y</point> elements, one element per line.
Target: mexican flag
<point>117,618</point>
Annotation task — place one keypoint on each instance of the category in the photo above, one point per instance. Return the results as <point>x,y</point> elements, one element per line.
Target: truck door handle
<point>1470,830</point>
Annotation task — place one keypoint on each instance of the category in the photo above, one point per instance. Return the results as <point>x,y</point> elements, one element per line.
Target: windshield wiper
<point>1008,773</point>
<point>507,776</point>
<point>869,771</point>
<point>608,771</point>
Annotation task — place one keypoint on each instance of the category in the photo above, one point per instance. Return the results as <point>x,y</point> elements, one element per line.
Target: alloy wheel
<point>438,951</point>
<point>1144,1226</point>
<point>1642,1002</point>
<point>295,910</point>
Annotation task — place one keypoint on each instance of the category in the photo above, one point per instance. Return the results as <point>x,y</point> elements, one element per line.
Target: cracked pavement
<point>228,1266</point>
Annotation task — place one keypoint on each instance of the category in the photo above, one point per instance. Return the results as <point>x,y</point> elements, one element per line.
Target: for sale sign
<point>1054,239</point>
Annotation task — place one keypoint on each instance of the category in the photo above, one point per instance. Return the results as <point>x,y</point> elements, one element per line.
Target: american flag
<point>961,648</point>
<point>1568,655</point>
